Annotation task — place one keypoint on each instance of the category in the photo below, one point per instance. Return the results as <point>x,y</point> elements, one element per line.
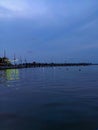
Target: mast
<point>25,61</point>
<point>20,60</point>
<point>14,59</point>
<point>4,53</point>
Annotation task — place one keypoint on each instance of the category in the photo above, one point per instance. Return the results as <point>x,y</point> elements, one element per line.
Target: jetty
<point>33,65</point>
<point>5,63</point>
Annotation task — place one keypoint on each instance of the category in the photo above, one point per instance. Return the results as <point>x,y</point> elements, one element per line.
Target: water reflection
<point>10,74</point>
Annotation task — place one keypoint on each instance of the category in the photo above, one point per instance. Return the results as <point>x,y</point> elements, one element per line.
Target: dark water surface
<point>49,99</point>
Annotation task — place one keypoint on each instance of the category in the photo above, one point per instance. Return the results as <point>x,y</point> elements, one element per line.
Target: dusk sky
<point>49,30</point>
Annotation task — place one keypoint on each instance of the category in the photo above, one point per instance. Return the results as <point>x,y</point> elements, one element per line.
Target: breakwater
<point>31,65</point>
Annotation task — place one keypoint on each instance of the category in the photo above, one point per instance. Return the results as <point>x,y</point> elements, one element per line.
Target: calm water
<point>49,99</point>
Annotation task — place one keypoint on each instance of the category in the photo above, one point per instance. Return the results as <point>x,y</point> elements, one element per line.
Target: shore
<point>32,65</point>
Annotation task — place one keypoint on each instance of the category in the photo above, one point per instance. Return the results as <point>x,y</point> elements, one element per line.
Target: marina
<point>5,63</point>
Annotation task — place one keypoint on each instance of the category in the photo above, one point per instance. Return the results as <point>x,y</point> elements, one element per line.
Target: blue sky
<point>49,30</point>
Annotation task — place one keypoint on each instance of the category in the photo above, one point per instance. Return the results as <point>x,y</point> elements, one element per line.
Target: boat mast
<point>25,61</point>
<point>20,60</point>
<point>14,59</point>
<point>4,53</point>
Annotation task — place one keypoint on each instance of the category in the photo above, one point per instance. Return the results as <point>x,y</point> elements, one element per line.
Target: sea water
<point>51,98</point>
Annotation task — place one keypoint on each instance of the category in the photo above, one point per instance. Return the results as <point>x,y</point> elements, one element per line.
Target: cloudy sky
<point>49,30</point>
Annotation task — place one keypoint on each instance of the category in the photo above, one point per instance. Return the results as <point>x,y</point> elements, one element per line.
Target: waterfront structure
<point>4,61</point>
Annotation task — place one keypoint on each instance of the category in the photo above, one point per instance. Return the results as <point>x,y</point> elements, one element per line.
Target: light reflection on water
<point>10,74</point>
<point>49,99</point>
<point>8,78</point>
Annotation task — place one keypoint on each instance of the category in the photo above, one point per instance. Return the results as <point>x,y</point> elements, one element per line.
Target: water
<point>62,98</point>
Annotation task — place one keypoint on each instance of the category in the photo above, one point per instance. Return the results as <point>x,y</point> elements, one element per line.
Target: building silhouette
<point>4,61</point>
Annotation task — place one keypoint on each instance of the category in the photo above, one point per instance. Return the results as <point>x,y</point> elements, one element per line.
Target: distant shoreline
<point>34,65</point>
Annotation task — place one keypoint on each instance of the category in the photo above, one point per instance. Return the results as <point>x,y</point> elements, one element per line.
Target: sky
<point>49,30</point>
